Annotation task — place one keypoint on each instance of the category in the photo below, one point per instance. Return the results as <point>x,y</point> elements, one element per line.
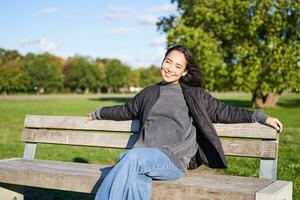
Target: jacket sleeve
<point>219,112</point>
<point>128,111</point>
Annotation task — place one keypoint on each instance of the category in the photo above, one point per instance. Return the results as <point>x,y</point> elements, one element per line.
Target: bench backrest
<point>246,139</point>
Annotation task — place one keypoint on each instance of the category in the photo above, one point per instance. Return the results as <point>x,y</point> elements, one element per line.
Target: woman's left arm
<point>219,112</point>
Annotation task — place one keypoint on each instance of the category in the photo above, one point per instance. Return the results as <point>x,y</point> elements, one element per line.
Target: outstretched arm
<point>221,113</point>
<point>128,111</point>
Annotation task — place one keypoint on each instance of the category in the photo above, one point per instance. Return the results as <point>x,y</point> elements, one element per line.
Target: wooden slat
<point>251,148</point>
<point>276,190</point>
<point>244,130</point>
<point>61,175</point>
<point>79,123</point>
<point>81,138</point>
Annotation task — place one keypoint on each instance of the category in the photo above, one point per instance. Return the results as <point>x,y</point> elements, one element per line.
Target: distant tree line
<point>47,73</point>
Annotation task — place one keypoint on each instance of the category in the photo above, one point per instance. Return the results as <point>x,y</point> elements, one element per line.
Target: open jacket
<point>204,109</point>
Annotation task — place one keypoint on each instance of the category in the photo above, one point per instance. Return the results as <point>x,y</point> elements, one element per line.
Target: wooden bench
<point>247,140</point>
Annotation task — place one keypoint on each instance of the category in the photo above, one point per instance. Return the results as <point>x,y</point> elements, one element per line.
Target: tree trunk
<point>268,100</point>
<point>109,90</point>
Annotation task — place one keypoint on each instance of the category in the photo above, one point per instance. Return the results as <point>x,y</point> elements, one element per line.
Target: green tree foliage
<point>134,77</point>
<point>48,73</point>
<point>143,77</point>
<point>247,45</point>
<point>12,77</point>
<point>44,73</point>
<point>117,75</point>
<point>81,74</point>
<point>150,76</point>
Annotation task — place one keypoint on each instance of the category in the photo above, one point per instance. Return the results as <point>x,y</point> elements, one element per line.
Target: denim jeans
<point>131,178</point>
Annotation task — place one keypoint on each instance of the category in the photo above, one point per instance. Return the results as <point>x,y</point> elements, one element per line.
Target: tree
<point>241,44</point>
<point>12,76</point>
<point>44,74</point>
<point>81,74</point>
<point>134,77</point>
<point>150,76</point>
<point>117,75</point>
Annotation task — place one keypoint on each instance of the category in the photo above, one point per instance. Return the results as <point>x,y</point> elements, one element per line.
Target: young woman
<point>176,133</point>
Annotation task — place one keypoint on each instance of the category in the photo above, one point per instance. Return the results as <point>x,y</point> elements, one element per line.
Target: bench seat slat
<point>244,130</point>
<point>53,174</point>
<point>250,148</point>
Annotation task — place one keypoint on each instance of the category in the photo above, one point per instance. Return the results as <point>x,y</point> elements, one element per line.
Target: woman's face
<point>173,67</point>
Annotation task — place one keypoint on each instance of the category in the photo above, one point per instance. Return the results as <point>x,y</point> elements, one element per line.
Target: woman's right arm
<point>128,111</point>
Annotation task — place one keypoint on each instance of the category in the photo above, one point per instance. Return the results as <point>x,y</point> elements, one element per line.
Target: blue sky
<point>106,29</point>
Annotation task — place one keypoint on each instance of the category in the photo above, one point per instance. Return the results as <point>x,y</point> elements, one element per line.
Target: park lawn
<point>14,110</point>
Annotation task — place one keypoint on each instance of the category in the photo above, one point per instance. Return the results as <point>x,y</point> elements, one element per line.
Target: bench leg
<point>278,190</point>
<point>268,169</point>
<point>11,192</point>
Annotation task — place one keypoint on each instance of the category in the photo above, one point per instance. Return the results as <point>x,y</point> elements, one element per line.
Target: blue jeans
<point>131,177</point>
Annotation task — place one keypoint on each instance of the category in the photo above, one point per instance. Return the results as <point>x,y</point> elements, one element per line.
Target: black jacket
<point>204,109</point>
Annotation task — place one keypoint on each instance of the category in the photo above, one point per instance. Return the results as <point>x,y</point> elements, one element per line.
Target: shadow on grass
<point>80,160</point>
<point>290,103</point>
<point>120,100</point>
<point>286,103</point>
<point>32,193</point>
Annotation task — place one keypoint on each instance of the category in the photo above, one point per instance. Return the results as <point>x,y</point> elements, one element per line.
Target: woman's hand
<point>89,116</point>
<point>275,123</point>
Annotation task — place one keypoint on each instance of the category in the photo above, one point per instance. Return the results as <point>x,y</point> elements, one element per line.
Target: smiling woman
<point>176,133</point>
<point>173,67</point>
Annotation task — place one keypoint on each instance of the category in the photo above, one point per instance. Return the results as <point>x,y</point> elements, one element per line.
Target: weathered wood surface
<point>250,148</point>
<point>278,190</point>
<point>245,130</point>
<point>81,138</point>
<point>11,192</point>
<point>79,123</point>
<point>61,175</point>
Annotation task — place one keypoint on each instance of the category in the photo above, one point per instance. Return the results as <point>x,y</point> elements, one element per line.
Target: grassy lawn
<point>13,111</point>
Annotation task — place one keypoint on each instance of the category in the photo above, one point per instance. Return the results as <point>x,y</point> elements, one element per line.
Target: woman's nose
<point>170,68</point>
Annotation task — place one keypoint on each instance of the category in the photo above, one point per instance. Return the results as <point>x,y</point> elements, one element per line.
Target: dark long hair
<point>194,75</point>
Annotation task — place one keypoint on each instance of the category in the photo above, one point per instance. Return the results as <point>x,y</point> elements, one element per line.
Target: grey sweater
<point>169,127</point>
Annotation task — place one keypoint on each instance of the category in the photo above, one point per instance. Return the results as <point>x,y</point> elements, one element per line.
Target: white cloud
<point>135,60</point>
<point>163,8</point>
<point>29,42</point>
<point>116,13</point>
<point>47,45</point>
<point>159,41</point>
<point>120,30</point>
<point>47,11</point>
<point>148,19</point>
<point>42,44</point>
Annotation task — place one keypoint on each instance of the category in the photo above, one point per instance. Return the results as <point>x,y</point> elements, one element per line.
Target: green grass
<point>14,110</point>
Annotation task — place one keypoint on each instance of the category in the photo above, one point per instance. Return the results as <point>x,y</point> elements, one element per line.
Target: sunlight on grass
<point>13,112</point>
